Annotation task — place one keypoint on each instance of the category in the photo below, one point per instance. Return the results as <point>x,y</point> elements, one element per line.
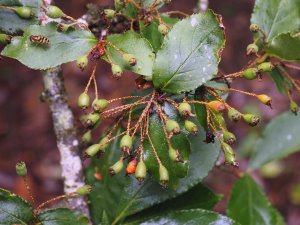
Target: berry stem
<point>28,190</point>
<point>90,80</point>
<point>7,7</point>
<point>116,48</point>
<point>176,12</point>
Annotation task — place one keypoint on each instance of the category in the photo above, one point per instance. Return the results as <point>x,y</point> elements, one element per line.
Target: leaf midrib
<point>275,18</point>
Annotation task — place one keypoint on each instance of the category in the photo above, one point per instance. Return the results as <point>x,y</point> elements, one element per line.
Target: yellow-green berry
<point>82,62</point>
<point>109,13</point>
<point>84,190</point>
<point>116,168</point>
<point>24,12</point>
<point>163,29</point>
<point>250,73</point>
<point>172,126</point>
<point>184,109</point>
<point>21,169</point>
<point>265,67</point>
<point>234,115</point>
<point>229,137</point>
<point>191,127</point>
<point>251,119</point>
<point>294,107</point>
<point>54,12</point>
<point>83,100</point>
<point>99,105</point>
<point>141,171</point>
<point>163,175</point>
<point>116,70</point>
<point>87,137</point>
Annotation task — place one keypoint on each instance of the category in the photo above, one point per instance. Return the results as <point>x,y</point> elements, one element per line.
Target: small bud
<point>90,120</point>
<point>82,62</point>
<point>234,115</point>
<point>83,100</point>
<point>184,109</point>
<point>163,29</point>
<point>116,71</point>
<point>229,137</point>
<point>217,106</point>
<point>294,107</point>
<point>92,150</point>
<point>141,171</point>
<point>5,39</point>
<point>116,168</point>
<point>21,169</point>
<point>163,175</point>
<point>87,137</point>
<point>252,49</point>
<point>62,27</point>
<point>109,13</point>
<point>265,67</point>
<point>265,99</point>
<point>99,105</point>
<point>126,143</point>
<point>251,119</point>
<point>25,12</point>
<point>84,190</point>
<point>250,73</point>
<point>129,59</point>
<point>54,12</point>
<point>172,126</point>
<point>191,127</point>
<point>131,167</point>
<point>254,28</point>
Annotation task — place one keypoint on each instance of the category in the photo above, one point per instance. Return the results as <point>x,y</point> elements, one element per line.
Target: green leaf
<point>189,56</point>
<point>63,47</point>
<point>275,17</point>
<point>249,205</point>
<point>132,43</point>
<point>291,44</point>
<point>14,209</point>
<point>279,139</point>
<point>62,216</point>
<point>197,197</point>
<point>280,81</point>
<point>10,22</point>
<point>152,34</point>
<point>193,216</point>
<point>129,10</point>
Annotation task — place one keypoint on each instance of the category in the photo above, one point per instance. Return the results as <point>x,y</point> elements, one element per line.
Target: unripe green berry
<point>294,107</point>
<point>104,142</point>
<point>109,13</point>
<point>87,137</point>
<point>163,29</point>
<point>92,150</point>
<point>254,28</point>
<point>265,99</point>
<point>54,12</point>
<point>84,190</point>
<point>141,171</point>
<point>24,12</point>
<point>231,160</point>
<point>83,100</point>
<point>184,109</point>
<point>227,148</point>
<point>234,115</point>
<point>4,38</point>
<point>129,59</point>
<point>251,119</point>
<point>21,169</point>
<point>191,127</point>
<point>126,143</point>
<point>172,126</point>
<point>116,168</point>
<point>265,67</point>
<point>116,71</point>
<point>62,27</point>
<point>82,62</point>
<point>163,175</point>
<point>229,137</point>
<point>173,154</point>
<point>90,119</point>
<point>252,48</point>
<point>250,73</point>
<point>99,105</point>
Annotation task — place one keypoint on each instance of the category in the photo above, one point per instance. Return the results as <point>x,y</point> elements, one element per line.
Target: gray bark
<point>67,140</point>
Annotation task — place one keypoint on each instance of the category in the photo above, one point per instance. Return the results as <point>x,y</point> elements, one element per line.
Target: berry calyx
<point>5,39</point>
<point>184,109</point>
<point>54,12</point>
<point>90,120</point>
<point>92,150</point>
<point>234,115</point>
<point>254,28</point>
<point>140,171</point>
<point>231,160</point>
<point>99,105</point>
<point>252,49</point>
<point>163,29</point>
<point>83,100</point>
<point>251,119</point>
<point>265,99</point>
<point>62,27</point>
<point>87,137</point>
<point>24,12</point>
<point>217,106</point>
<point>191,127</point>
<point>129,59</point>
<point>82,62</point>
<point>84,190</point>
<point>21,169</point>
<point>163,175</point>
<point>131,167</point>
<point>116,168</point>
<point>116,70</point>
<point>294,107</point>
<point>172,126</point>
<point>250,73</point>
<point>265,67</point>
<point>229,137</point>
<point>109,13</point>
<point>126,143</point>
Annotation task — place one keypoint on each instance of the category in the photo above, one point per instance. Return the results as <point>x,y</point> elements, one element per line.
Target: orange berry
<point>130,169</point>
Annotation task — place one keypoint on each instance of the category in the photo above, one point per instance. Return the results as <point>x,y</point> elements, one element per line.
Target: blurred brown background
<point>25,123</point>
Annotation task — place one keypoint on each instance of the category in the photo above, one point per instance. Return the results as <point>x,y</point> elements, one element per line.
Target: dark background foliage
<point>26,131</point>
